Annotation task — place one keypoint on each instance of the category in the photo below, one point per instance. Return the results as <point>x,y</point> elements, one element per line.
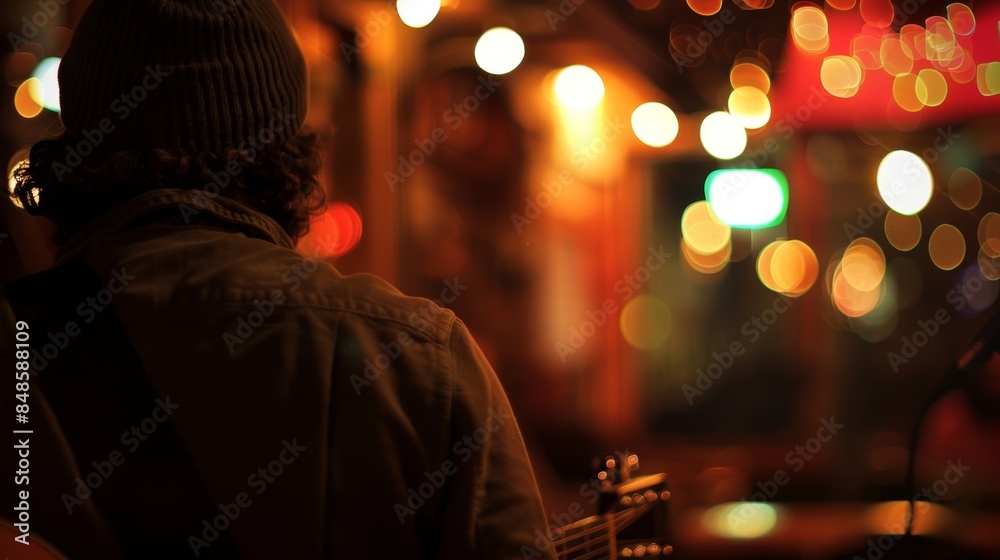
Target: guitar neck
<point>590,538</point>
<point>608,536</point>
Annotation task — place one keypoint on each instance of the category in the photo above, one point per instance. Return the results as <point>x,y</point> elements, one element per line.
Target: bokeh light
<point>931,87</point>
<point>810,30</point>
<point>841,4</point>
<point>748,198</point>
<point>740,520</point>
<point>750,107</point>
<point>702,230</point>
<point>904,93</point>
<point>748,74</point>
<point>879,323</point>
<point>333,233</point>
<point>965,189</point>
<point>904,182</point>
<point>866,50</point>
<point>794,267</point>
<point>705,7</point>
<point>941,41</point>
<point>654,124</point>
<point>417,13</point>
<point>946,247</point>
<point>989,234</point>
<point>988,78</point>
<point>645,322</point>
<point>25,98</point>
<point>47,74</point>
<point>965,71</point>
<point>841,75</point>
<point>579,87</point>
<point>706,264</point>
<point>863,264</point>
<point>764,260</point>
<point>851,301</point>
<point>903,232</point>
<point>723,136</point>
<point>888,518</point>
<point>914,37</point>
<point>989,265</point>
<point>896,56</point>
<point>961,18</point>
<point>499,50</point>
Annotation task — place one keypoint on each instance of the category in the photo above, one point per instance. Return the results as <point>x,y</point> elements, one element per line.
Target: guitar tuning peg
<point>632,460</point>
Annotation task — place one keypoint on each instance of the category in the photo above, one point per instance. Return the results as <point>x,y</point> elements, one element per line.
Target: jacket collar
<point>188,203</point>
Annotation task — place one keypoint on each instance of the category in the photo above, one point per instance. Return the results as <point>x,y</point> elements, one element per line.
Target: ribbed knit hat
<point>198,75</point>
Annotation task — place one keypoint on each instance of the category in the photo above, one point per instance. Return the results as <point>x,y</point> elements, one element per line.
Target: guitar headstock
<point>632,519</point>
<point>616,468</point>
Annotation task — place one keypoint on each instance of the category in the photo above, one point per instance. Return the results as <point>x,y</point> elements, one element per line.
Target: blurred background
<point>742,239</point>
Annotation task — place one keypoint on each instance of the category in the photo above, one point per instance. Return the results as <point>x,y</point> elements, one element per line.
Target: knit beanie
<point>194,75</point>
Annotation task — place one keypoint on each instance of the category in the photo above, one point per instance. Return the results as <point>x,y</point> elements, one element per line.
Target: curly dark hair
<point>280,181</point>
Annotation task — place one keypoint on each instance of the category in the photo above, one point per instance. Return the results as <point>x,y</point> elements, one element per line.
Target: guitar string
<point>600,527</point>
<point>590,555</point>
<point>605,548</point>
<point>627,518</point>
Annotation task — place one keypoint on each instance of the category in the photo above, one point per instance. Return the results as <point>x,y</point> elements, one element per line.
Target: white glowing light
<point>654,124</point>
<point>744,520</point>
<point>47,73</point>
<point>904,182</point>
<point>723,136</point>
<point>748,198</point>
<point>579,87</point>
<point>417,13</point>
<point>499,50</point>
